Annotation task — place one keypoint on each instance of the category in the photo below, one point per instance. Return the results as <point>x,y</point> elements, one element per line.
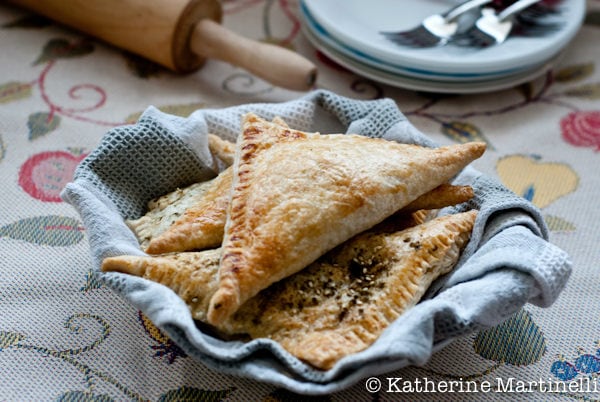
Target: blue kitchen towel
<point>507,263</point>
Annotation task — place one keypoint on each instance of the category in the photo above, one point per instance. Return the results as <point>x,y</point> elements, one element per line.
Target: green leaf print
<point>574,73</point>
<point>13,91</point>
<point>518,341</point>
<point>62,49</point>
<point>463,132</point>
<point>50,230</point>
<point>558,224</point>
<point>142,67</point>
<point>8,339</point>
<point>284,395</point>
<point>41,123</point>
<point>589,91</point>
<point>80,396</point>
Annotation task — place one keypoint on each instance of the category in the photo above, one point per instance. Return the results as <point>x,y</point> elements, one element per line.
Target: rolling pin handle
<point>275,64</point>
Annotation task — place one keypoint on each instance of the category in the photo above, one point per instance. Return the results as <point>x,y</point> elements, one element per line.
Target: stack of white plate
<point>349,32</point>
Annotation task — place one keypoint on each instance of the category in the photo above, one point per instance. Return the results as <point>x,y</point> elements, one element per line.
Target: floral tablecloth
<point>63,336</point>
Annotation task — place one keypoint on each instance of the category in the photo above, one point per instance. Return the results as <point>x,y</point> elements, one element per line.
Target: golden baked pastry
<point>440,197</point>
<point>338,305</point>
<point>192,275</point>
<point>194,217</point>
<point>221,149</point>
<point>324,239</point>
<point>201,224</point>
<point>164,211</point>
<point>294,200</point>
<point>225,150</point>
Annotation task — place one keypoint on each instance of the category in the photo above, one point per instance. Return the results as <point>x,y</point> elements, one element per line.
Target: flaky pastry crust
<point>294,200</point>
<point>201,225</point>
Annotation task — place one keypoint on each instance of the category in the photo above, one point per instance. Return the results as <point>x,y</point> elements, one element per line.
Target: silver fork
<point>494,28</point>
<point>436,29</point>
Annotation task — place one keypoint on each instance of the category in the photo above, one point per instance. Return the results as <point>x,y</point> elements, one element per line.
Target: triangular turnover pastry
<point>193,275</point>
<point>194,217</point>
<point>294,200</point>
<point>340,304</point>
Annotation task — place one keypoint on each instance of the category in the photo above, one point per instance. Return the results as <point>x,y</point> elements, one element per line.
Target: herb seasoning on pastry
<point>201,224</point>
<point>164,211</point>
<point>294,200</point>
<point>192,275</point>
<point>192,217</point>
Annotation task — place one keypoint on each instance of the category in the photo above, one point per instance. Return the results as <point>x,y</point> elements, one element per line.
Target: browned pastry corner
<point>193,275</point>
<point>440,197</point>
<point>221,149</point>
<point>293,200</point>
<point>225,150</point>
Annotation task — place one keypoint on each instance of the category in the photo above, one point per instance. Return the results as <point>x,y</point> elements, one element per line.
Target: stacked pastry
<point>317,241</point>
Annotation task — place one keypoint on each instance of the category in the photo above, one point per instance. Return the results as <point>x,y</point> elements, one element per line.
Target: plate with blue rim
<point>356,26</point>
<point>431,84</point>
<point>324,38</point>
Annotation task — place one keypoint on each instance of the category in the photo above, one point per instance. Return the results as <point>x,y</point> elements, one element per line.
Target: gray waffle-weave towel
<point>508,262</point>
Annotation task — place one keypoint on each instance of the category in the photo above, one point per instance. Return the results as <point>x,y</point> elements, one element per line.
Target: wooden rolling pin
<point>178,34</point>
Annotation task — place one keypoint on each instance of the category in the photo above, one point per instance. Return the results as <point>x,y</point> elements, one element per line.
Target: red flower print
<point>44,175</point>
<point>582,129</point>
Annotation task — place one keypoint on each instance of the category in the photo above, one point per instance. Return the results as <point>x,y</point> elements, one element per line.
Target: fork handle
<point>515,8</point>
<point>457,11</point>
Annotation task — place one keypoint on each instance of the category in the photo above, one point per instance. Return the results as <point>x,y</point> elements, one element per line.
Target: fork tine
<point>538,11</point>
<point>524,18</point>
<point>418,37</point>
<point>436,29</point>
<point>475,37</point>
<point>535,29</point>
